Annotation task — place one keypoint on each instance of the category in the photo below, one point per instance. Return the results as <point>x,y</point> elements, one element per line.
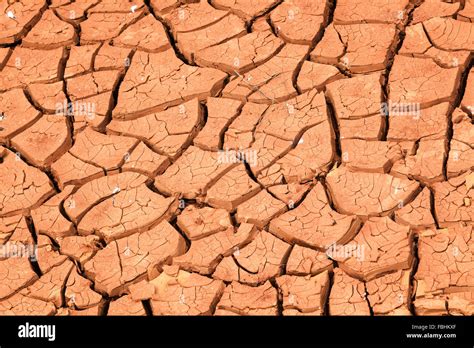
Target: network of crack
<point>236,157</point>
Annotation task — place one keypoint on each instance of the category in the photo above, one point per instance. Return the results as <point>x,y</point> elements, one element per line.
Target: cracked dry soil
<point>236,157</point>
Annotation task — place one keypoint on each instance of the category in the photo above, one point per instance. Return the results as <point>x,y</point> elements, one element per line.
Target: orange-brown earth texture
<point>236,157</point>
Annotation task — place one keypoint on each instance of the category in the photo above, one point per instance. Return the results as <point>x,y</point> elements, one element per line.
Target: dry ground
<point>236,157</point>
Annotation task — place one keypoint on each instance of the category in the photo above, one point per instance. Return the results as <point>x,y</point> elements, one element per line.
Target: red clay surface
<point>236,157</point>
